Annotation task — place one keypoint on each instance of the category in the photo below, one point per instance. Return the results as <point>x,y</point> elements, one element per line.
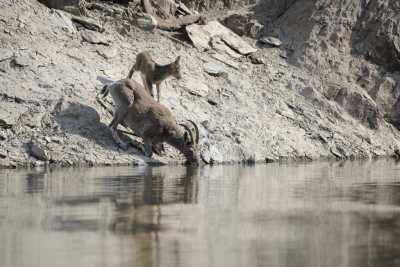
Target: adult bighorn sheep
<point>150,120</point>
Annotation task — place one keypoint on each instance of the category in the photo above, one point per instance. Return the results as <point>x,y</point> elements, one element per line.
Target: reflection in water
<point>319,214</point>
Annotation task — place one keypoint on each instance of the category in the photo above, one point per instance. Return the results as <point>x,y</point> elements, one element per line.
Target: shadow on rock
<point>79,119</point>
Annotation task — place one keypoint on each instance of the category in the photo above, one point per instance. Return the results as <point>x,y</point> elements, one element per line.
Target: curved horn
<point>197,131</point>
<point>187,129</point>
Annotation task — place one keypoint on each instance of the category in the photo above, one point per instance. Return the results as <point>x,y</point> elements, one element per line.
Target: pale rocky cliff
<point>331,90</point>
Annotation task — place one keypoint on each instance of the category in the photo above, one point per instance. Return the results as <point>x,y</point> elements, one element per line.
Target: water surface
<point>300,215</point>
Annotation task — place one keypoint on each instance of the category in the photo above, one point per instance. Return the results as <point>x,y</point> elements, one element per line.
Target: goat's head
<point>191,138</point>
<point>186,141</point>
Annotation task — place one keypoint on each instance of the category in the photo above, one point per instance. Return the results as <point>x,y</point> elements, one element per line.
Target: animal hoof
<point>159,149</point>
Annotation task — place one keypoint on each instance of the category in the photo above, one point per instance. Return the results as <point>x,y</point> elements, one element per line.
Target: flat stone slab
<point>93,37</point>
<point>202,34</point>
<point>220,46</point>
<point>214,69</point>
<point>225,60</point>
<point>195,87</point>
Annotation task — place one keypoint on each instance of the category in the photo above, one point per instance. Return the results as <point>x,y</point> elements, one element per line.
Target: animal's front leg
<point>148,151</point>
<point>118,140</point>
<point>159,149</point>
<point>119,116</point>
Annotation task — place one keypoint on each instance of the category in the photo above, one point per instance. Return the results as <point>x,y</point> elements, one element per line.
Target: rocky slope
<point>330,91</point>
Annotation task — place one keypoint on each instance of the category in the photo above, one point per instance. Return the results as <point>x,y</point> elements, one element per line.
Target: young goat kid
<point>153,73</point>
<point>152,121</point>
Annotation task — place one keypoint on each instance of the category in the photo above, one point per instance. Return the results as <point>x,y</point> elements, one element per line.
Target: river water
<point>300,215</point>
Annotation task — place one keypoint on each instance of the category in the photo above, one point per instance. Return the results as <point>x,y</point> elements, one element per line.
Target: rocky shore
<point>324,82</point>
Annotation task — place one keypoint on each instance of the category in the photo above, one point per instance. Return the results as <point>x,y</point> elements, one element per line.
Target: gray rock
<point>146,22</point>
<point>107,53</point>
<point>272,41</point>
<point>3,135</point>
<point>5,54</point>
<point>210,154</point>
<point>256,58</point>
<point>88,23</point>
<point>22,61</point>
<point>225,60</point>
<point>214,69</point>
<point>201,36</point>
<point>395,114</point>
<point>271,159</point>
<point>77,112</point>
<point>37,151</point>
<point>94,37</point>
<point>195,87</point>
<point>242,25</point>
<point>10,113</point>
<point>307,92</point>
<point>237,23</point>
<point>385,94</point>
<point>4,66</point>
<point>361,106</point>
<point>220,46</point>
<point>66,22</point>
<point>252,115</point>
<point>254,28</point>
<point>3,153</point>
<point>212,101</point>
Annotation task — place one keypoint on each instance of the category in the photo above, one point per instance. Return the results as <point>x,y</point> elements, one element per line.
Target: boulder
<point>242,25</point>
<point>237,23</point>
<point>38,151</point>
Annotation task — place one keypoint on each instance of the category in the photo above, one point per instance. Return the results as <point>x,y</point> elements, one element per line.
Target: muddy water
<point>319,214</point>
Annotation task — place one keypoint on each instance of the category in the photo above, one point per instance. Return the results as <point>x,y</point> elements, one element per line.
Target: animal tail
<point>136,66</point>
<point>104,91</point>
<point>132,70</point>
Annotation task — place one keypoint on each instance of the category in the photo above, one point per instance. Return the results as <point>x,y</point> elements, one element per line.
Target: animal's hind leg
<point>118,118</point>
<point>158,91</point>
<point>147,84</point>
<point>149,87</point>
<point>132,70</point>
